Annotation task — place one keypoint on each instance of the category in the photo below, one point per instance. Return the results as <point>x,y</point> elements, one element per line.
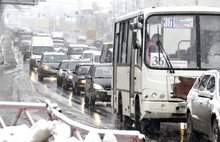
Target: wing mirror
<point>136,36</point>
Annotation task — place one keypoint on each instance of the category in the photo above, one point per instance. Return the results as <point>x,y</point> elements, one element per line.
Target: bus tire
<point>119,114</point>
<point>127,122</point>
<point>137,115</point>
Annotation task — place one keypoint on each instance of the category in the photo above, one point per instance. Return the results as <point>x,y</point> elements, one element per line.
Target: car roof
<point>78,45</point>
<point>90,51</point>
<point>85,64</point>
<point>54,53</point>
<point>102,64</point>
<point>108,43</point>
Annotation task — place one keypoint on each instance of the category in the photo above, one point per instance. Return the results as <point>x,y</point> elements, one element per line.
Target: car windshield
<point>87,55</point>
<point>58,45</point>
<point>73,65</point>
<point>103,72</point>
<point>39,50</point>
<point>74,50</point>
<point>54,58</point>
<point>97,57</point>
<point>83,70</point>
<point>26,38</point>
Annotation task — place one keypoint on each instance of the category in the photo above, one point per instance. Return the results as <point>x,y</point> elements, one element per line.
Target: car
<point>89,42</point>
<point>39,45</point>
<point>60,71</point>
<point>1,56</point>
<point>87,54</point>
<point>95,57</point>
<point>98,84</point>
<point>81,40</point>
<point>104,51</point>
<point>58,47</point>
<point>79,74</point>
<point>203,109</point>
<point>48,64</point>
<point>75,51</point>
<point>68,74</point>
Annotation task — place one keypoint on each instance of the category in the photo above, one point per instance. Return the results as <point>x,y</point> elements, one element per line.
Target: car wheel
<point>215,131</point>
<point>86,100</point>
<point>24,58</point>
<point>190,130</point>
<point>127,122</point>
<point>78,92</point>
<point>64,86</point>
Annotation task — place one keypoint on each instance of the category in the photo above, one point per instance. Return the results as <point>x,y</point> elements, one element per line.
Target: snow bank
<point>42,130</point>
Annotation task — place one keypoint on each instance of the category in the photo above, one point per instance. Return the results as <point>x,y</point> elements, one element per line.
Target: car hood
<point>104,82</point>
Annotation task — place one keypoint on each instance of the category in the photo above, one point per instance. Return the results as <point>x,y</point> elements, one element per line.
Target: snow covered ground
<point>44,130</point>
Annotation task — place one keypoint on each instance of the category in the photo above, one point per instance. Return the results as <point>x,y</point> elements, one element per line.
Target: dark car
<point>61,69</point>
<point>68,74</point>
<point>79,74</point>
<point>48,64</point>
<point>98,84</point>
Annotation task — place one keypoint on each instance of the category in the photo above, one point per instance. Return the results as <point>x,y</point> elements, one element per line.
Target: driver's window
<point>211,84</point>
<point>203,83</point>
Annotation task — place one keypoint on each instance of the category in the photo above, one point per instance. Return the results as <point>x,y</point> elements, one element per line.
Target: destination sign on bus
<point>177,22</point>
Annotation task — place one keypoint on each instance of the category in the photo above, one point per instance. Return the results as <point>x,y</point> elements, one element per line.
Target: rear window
<point>103,72</point>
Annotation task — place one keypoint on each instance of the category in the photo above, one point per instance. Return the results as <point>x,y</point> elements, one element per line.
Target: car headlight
<point>83,81</point>
<point>46,67</point>
<point>70,77</point>
<point>97,87</point>
<point>32,57</point>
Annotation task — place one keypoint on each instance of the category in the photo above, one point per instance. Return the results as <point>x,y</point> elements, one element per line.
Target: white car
<point>87,54</point>
<point>203,107</point>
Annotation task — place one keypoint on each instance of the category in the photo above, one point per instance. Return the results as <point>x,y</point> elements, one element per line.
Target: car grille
<point>107,87</point>
<point>53,68</point>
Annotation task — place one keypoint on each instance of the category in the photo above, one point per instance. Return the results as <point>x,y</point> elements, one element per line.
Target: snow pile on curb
<point>42,130</point>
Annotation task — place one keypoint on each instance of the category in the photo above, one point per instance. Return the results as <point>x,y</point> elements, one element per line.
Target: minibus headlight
<point>154,95</point>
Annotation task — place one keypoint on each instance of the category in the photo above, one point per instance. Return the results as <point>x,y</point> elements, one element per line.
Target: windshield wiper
<point>159,44</point>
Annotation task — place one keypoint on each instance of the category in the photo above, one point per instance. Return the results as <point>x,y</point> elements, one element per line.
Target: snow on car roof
<point>54,53</point>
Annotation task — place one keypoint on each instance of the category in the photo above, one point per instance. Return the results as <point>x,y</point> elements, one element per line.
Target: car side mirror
<point>88,77</point>
<point>64,69</point>
<point>74,72</point>
<point>136,39</point>
<point>205,94</point>
<point>38,61</point>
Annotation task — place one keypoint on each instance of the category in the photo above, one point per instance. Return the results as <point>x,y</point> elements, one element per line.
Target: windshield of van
<point>39,50</point>
<point>54,58</point>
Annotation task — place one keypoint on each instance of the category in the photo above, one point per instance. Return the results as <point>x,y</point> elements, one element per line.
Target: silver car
<point>203,103</point>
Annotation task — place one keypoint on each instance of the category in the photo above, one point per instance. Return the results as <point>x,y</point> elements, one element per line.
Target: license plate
<point>109,93</point>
